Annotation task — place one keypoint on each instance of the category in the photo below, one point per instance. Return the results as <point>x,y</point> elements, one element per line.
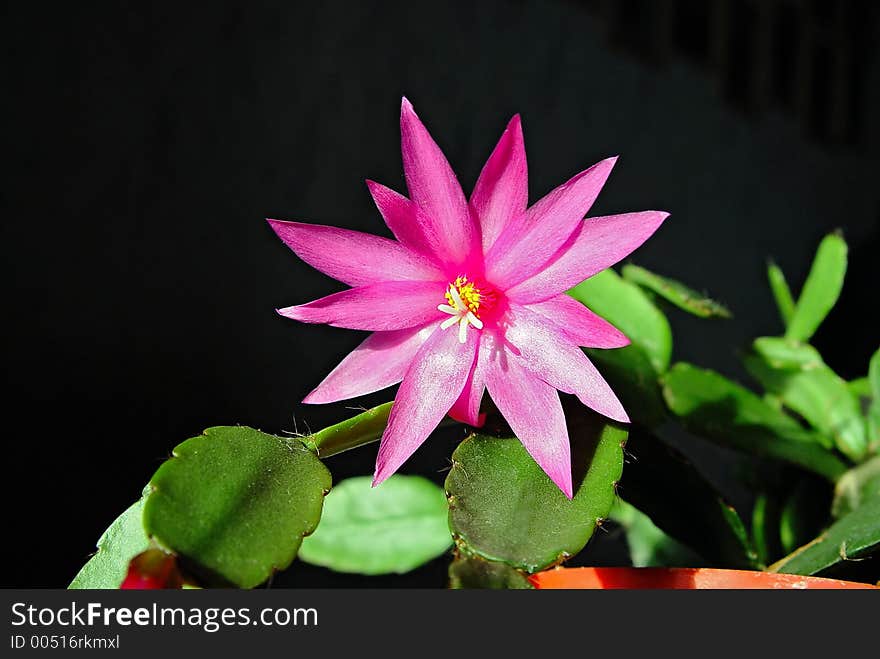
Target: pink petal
<point>467,408</point>
<point>352,257</point>
<point>378,362</point>
<point>599,243</point>
<point>582,326</point>
<point>545,350</point>
<point>389,305</point>
<point>529,243</point>
<point>434,188</point>
<point>534,413</point>
<point>501,193</point>
<point>408,224</point>
<point>434,380</point>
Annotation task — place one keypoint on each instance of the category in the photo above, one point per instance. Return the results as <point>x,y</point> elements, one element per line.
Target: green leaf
<point>676,293</point>
<point>632,371</point>
<point>476,572</point>
<point>792,509</point>
<point>628,308</point>
<point>795,372</point>
<point>874,409</point>
<point>874,374</point>
<point>787,355</point>
<point>821,397</point>
<point>718,409</point>
<point>122,541</point>
<point>358,430</point>
<point>503,507</point>
<point>236,503</point>
<point>648,545</point>
<point>765,528</point>
<point>858,485</point>
<point>773,401</point>
<point>395,527</point>
<point>853,536</point>
<point>874,428</point>
<point>821,289</point>
<point>662,484</point>
<point>635,381</point>
<point>781,293</point>
<point>804,513</point>
<point>860,387</point>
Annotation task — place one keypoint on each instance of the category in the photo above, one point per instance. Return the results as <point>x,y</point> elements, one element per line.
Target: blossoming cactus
<point>471,297</point>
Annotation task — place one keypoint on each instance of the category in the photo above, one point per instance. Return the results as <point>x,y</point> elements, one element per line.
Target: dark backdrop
<point>147,144</point>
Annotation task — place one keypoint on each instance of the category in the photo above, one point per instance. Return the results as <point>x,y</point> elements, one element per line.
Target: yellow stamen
<point>465,294</point>
<point>464,300</point>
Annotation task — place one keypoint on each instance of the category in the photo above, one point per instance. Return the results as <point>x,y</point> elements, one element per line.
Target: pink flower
<point>471,297</point>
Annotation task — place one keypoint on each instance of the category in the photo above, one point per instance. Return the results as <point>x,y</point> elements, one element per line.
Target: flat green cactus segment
<point>788,512</point>
<point>874,409</point>
<point>124,539</point>
<point>860,387</point>
<point>467,572</point>
<point>722,411</point>
<point>803,513</point>
<point>690,509</point>
<point>821,289</point>
<point>787,355</point>
<point>874,375</point>
<point>361,429</point>
<point>674,292</point>
<point>629,309</point>
<point>765,528</point>
<point>857,486</point>
<point>503,507</point>
<point>781,293</point>
<point>634,379</point>
<point>797,375</point>
<point>392,528</point>
<point>632,371</point>
<point>235,503</point>
<point>851,537</point>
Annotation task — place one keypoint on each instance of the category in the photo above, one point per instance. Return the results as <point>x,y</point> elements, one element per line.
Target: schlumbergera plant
<point>484,310</point>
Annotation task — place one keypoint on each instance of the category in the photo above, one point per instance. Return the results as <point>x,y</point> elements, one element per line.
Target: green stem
<point>359,430</point>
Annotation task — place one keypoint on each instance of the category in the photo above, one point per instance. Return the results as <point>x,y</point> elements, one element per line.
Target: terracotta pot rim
<point>635,578</point>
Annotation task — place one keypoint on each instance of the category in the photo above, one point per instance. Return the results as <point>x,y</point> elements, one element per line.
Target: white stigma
<point>460,313</point>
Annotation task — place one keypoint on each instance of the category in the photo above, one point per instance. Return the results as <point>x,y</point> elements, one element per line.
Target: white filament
<point>460,313</point>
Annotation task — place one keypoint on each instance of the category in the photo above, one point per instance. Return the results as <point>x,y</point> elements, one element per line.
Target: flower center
<point>466,301</point>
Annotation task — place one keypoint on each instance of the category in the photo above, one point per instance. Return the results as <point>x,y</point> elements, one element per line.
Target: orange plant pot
<point>680,578</point>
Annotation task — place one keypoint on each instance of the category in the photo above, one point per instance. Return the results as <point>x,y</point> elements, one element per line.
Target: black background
<point>147,144</point>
